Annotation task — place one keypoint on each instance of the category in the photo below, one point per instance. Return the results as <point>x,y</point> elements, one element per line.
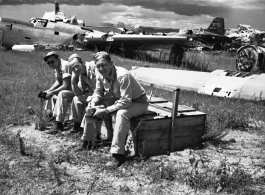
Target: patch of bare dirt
<point>237,149</point>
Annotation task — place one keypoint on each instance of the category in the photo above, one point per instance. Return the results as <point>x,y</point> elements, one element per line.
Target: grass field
<point>24,75</point>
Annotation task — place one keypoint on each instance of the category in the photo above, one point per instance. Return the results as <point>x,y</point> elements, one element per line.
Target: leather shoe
<point>86,145</point>
<point>77,128</point>
<point>58,127</point>
<point>116,161</point>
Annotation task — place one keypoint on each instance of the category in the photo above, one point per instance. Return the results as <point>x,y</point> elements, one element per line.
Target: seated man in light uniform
<point>123,98</point>
<point>82,85</point>
<point>62,76</point>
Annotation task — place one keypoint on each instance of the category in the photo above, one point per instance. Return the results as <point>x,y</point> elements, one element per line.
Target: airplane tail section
<point>217,26</point>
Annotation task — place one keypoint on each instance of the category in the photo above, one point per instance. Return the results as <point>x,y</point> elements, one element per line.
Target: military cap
<point>51,53</point>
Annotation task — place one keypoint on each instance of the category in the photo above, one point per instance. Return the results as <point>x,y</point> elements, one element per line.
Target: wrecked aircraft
<point>135,37</point>
<point>15,32</point>
<point>211,37</point>
<point>64,32</point>
<point>218,83</point>
<point>54,30</point>
<point>248,83</point>
<point>245,35</point>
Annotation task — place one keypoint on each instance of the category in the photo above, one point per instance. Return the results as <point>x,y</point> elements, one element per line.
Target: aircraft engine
<point>250,58</point>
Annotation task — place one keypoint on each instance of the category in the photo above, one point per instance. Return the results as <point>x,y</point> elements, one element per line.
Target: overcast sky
<point>189,13</point>
<point>160,13</point>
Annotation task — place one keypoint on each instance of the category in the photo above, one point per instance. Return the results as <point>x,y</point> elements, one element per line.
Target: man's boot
<point>77,128</point>
<point>86,145</point>
<point>57,127</point>
<point>116,161</point>
<point>109,127</point>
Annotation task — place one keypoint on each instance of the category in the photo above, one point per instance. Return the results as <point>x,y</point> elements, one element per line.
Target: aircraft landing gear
<point>176,55</point>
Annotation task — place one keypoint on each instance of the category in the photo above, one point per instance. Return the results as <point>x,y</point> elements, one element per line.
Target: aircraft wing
<point>137,41</point>
<point>217,83</point>
<point>148,39</point>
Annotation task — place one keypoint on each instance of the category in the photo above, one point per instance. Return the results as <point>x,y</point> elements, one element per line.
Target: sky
<point>158,13</point>
<point>190,13</point>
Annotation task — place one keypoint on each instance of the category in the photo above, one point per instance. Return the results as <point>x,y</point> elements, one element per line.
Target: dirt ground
<point>237,149</point>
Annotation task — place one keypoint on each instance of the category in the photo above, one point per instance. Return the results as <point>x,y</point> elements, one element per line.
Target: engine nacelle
<point>250,58</point>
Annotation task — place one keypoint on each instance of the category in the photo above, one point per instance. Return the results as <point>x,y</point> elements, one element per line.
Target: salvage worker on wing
<point>83,83</point>
<point>61,85</point>
<point>123,98</point>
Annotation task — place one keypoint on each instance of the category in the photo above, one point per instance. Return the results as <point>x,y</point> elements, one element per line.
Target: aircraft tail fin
<point>217,26</point>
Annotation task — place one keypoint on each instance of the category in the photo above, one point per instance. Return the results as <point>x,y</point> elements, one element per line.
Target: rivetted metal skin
<point>214,83</point>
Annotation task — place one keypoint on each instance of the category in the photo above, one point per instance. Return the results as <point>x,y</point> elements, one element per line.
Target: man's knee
<point>122,114</point>
<point>75,100</point>
<point>62,93</point>
<point>66,95</point>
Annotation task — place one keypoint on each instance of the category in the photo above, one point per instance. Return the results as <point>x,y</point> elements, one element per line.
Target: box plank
<point>160,111</point>
<point>156,99</point>
<point>169,105</point>
<point>165,133</point>
<point>155,133</point>
<point>153,130</point>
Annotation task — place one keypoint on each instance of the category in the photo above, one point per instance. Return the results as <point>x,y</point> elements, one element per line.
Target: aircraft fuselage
<point>14,32</point>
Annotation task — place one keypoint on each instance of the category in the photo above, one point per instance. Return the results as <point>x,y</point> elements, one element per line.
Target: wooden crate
<point>167,127</point>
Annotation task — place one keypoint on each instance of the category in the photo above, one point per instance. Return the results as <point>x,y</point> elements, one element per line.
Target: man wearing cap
<point>62,83</point>
<point>123,98</point>
<point>62,73</point>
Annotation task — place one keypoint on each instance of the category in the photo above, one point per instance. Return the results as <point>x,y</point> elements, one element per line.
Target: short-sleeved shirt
<point>122,85</point>
<point>64,72</point>
<point>87,82</point>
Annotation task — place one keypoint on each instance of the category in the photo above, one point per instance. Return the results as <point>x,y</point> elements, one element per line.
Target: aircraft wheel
<point>247,58</point>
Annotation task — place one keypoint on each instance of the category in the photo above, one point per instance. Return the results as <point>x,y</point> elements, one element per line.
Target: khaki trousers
<point>78,107</point>
<point>64,99</point>
<point>122,124</point>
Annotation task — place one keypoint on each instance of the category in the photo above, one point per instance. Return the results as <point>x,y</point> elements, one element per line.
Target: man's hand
<point>100,112</point>
<point>42,95</point>
<point>49,95</point>
<point>90,110</point>
<point>74,78</point>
